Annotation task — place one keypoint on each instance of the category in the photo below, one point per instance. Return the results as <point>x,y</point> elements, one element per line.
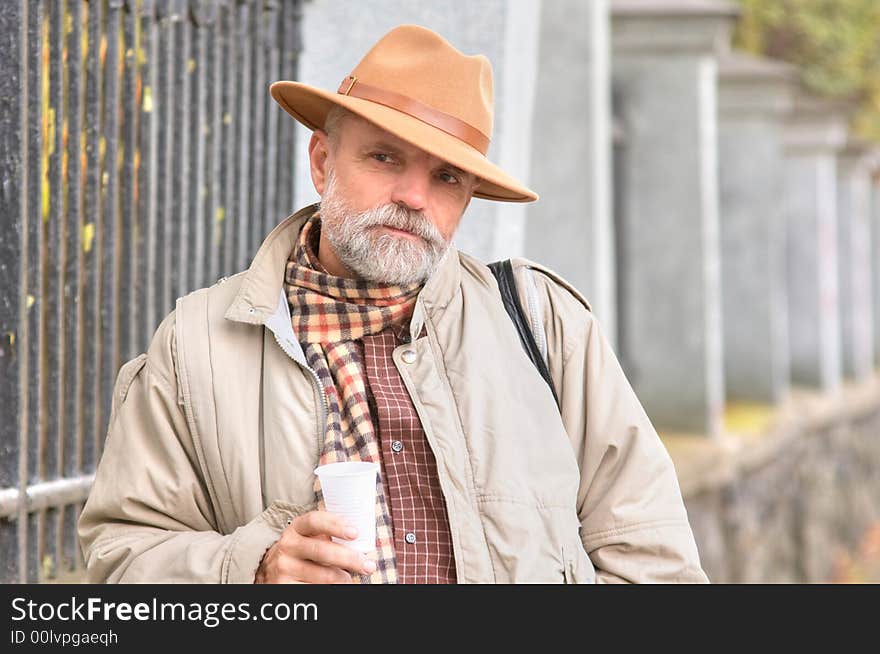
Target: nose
<point>411,188</point>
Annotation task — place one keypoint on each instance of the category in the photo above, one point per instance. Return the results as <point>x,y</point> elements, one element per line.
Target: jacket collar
<point>257,300</point>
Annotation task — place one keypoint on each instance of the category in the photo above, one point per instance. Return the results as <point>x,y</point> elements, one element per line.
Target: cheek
<point>446,219</point>
<point>362,191</point>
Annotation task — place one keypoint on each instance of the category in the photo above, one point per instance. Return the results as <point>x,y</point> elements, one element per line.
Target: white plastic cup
<point>349,489</point>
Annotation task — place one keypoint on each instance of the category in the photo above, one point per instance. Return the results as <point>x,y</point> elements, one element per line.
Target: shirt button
<point>396,446</point>
<point>410,538</point>
<point>408,356</point>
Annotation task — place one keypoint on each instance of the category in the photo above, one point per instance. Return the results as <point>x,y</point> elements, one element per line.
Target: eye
<point>381,157</point>
<point>447,177</point>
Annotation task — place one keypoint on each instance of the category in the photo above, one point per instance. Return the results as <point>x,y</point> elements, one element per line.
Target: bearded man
<point>359,334</point>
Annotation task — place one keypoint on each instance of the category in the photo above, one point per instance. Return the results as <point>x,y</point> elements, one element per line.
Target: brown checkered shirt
<point>422,541</point>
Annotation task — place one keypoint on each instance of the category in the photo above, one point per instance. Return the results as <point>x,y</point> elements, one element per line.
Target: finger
<point>316,523</point>
<point>290,534</point>
<point>331,554</point>
<point>313,573</point>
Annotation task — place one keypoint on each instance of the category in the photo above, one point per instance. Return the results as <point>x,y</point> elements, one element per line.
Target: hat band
<point>353,87</point>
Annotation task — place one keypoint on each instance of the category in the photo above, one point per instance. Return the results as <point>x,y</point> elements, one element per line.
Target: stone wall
<point>787,504</point>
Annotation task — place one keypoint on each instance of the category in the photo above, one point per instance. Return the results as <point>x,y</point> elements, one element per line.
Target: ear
<point>319,152</point>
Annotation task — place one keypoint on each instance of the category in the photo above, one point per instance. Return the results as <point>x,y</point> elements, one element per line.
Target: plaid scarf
<point>329,315</point>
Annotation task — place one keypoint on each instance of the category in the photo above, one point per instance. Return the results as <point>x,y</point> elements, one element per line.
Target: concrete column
<point>665,84</point>
<point>854,239</point>
<point>754,96</point>
<point>338,33</point>
<point>571,229</point>
<point>875,252</point>
<point>815,131</point>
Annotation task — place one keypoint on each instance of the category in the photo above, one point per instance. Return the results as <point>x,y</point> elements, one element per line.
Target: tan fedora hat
<point>414,84</point>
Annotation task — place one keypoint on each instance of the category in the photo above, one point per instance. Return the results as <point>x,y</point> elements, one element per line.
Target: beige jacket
<point>216,430</point>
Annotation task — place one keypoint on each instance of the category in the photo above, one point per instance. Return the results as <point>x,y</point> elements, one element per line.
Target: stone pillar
<point>754,96</point>
<point>854,240</point>
<point>815,131</point>
<point>506,31</point>
<point>665,84</point>
<point>875,252</point>
<point>570,228</point>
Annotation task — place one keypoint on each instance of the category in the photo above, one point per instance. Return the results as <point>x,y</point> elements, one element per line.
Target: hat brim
<point>310,105</point>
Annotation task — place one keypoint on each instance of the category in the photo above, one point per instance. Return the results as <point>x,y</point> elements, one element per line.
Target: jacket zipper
<point>325,409</point>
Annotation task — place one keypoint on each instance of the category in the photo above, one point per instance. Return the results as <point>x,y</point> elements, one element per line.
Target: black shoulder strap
<point>503,272</point>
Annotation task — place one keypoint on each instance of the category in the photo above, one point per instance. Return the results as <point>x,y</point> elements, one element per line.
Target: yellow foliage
<point>834,43</point>
<point>147,104</point>
<point>88,236</point>
<point>45,195</point>
<point>218,225</point>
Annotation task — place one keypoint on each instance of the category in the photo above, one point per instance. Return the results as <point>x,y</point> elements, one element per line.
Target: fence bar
<point>292,45</point>
<point>162,104</point>
<point>256,97</point>
<point>53,314</point>
<point>129,222</point>
<point>9,501</point>
<point>145,243</point>
<point>213,152</point>
<point>14,102</point>
<point>91,216</point>
<point>195,176</point>
<point>46,495</point>
<point>72,434</point>
<point>109,310</point>
<point>35,241</point>
<point>271,47</point>
<point>180,154</point>
<point>52,307</point>
<point>242,167</point>
<point>58,492</point>
<point>227,215</point>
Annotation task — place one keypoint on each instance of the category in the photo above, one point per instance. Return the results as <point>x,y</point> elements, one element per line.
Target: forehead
<point>359,132</point>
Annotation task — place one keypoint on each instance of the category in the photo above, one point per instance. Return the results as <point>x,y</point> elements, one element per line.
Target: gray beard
<point>373,254</point>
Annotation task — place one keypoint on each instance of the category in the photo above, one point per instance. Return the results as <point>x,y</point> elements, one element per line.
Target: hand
<point>305,553</point>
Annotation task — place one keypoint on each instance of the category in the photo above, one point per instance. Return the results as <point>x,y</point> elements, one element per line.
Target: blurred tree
<point>836,44</point>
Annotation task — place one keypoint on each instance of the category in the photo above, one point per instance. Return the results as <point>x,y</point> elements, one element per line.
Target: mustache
<point>397,217</point>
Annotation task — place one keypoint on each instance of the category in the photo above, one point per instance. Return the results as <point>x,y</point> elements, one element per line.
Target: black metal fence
<point>140,157</point>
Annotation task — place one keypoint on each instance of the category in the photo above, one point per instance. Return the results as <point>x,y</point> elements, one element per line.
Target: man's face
<point>389,210</point>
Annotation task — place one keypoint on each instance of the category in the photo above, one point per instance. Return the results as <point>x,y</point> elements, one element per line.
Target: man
<point>358,333</point>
